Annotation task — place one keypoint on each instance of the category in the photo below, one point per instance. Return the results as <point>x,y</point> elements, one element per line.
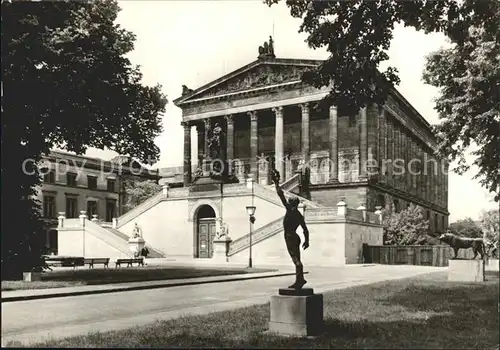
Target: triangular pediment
<point>259,74</point>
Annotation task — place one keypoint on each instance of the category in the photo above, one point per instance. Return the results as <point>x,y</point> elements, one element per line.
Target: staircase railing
<point>259,235</point>
<point>271,196</point>
<point>291,183</point>
<point>111,240</point>
<point>153,252</point>
<point>141,208</point>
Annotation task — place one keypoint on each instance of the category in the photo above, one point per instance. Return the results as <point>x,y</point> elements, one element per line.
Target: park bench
<point>92,261</point>
<point>65,261</point>
<point>129,262</point>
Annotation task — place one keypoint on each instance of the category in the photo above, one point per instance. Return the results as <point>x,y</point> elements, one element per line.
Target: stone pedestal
<point>466,270</point>
<point>492,265</point>
<point>221,247</point>
<point>296,313</point>
<point>32,276</point>
<point>136,244</point>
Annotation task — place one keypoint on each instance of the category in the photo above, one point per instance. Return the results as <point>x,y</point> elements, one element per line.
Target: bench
<point>92,261</point>
<point>65,261</point>
<point>129,262</point>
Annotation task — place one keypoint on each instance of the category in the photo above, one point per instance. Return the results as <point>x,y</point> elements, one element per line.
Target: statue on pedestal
<point>293,219</point>
<point>137,232</point>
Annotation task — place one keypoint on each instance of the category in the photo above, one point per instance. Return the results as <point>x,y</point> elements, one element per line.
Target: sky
<point>194,42</point>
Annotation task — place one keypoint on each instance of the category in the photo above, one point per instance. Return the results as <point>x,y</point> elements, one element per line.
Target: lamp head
<point>251,210</point>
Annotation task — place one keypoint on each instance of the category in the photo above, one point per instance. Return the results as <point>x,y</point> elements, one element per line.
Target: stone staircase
<point>259,235</point>
<point>153,253</point>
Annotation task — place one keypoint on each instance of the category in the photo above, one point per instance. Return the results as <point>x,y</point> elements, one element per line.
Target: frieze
<point>283,93</point>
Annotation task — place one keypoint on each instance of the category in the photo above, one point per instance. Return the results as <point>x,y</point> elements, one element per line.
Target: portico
<point>271,119</point>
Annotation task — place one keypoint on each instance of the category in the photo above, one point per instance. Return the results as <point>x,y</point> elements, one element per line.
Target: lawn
<point>423,312</point>
<point>68,278</point>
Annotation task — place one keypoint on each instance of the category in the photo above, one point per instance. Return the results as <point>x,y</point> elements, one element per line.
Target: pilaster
<point>334,146</point>
<point>382,146</point>
<point>200,135</point>
<point>363,144</point>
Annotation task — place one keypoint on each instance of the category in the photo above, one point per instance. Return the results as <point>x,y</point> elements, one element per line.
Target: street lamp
<point>251,216</point>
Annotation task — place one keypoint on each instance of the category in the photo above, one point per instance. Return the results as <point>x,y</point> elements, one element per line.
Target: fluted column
<point>187,153</point>
<point>200,149</point>
<point>397,170</point>
<point>206,122</point>
<point>278,142</point>
<point>363,144</point>
<point>334,146</point>
<point>414,169</point>
<point>253,144</point>
<point>229,137</point>
<point>305,131</point>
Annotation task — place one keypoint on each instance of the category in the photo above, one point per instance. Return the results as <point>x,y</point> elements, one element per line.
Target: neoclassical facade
<point>272,119</point>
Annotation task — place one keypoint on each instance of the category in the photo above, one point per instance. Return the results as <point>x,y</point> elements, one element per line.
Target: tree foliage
<point>466,228</point>
<point>406,227</point>
<point>137,192</point>
<point>490,224</point>
<point>357,35</point>
<point>66,84</point>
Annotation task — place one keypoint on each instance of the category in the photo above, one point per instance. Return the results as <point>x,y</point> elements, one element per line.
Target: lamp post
<point>251,215</point>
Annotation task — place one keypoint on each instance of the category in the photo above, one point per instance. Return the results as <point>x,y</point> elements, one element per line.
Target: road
<point>35,320</point>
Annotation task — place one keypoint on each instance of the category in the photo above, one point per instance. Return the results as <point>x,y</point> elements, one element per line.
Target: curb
<point>134,288</point>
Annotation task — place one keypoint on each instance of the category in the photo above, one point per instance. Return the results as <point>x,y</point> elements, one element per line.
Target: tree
<point>68,85</point>
<point>490,224</point>
<point>137,192</point>
<point>466,228</point>
<point>357,35</point>
<point>407,227</point>
<point>468,76</point>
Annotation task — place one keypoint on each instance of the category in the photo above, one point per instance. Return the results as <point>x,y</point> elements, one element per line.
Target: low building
<point>73,183</point>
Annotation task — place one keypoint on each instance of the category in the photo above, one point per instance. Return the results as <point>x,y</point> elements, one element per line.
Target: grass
<point>423,312</point>
<point>70,278</point>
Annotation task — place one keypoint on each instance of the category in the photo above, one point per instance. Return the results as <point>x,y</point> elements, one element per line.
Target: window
<point>49,207</point>
<point>396,206</point>
<point>48,176</point>
<point>71,179</point>
<point>110,210</point>
<point>91,182</point>
<point>71,207</point>
<point>442,223</point>
<point>427,215</point>
<point>91,209</point>
<point>111,185</point>
<point>436,223</point>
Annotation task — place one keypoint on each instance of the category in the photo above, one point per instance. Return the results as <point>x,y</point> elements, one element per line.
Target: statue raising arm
<point>275,177</point>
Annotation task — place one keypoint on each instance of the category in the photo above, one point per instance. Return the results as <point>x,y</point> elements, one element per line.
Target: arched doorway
<point>205,223</point>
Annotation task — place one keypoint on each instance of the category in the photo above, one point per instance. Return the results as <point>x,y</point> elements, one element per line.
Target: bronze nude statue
<point>293,219</point>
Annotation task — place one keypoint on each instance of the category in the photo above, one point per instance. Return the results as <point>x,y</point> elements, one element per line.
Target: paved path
<point>35,320</point>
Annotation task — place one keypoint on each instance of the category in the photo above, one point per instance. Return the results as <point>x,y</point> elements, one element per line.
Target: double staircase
<point>119,240</point>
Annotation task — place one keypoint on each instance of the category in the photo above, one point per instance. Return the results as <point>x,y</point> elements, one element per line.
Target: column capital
<point>252,115</point>
<point>333,108</point>
<point>229,119</point>
<point>207,123</point>
<point>278,111</point>
<point>304,107</point>
<point>186,125</point>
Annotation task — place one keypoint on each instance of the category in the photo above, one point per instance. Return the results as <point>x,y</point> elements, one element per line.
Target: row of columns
<point>396,142</point>
<point>279,141</point>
